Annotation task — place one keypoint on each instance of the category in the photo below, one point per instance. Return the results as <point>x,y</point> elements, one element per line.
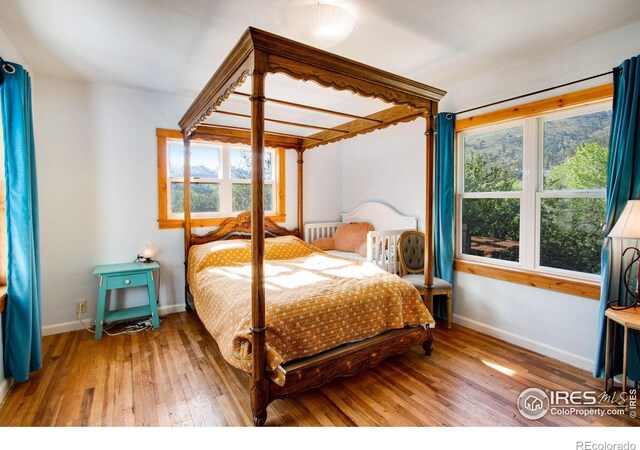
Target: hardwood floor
<point>175,376</point>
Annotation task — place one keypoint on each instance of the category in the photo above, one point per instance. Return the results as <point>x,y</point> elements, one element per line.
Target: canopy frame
<point>257,54</point>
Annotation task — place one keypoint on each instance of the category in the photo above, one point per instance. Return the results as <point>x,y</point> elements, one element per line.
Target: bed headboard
<point>381,216</point>
<point>240,228</point>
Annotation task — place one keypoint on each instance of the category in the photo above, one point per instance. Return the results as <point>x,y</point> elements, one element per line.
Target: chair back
<point>411,250</point>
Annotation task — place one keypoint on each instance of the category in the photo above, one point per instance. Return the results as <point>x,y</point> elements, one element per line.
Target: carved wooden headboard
<point>239,227</point>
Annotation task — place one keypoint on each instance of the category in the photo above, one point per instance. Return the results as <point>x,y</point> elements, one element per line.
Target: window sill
<point>580,288</point>
<point>203,223</point>
<point>3,298</point>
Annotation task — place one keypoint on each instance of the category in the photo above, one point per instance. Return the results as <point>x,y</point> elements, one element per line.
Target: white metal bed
<point>382,242</point>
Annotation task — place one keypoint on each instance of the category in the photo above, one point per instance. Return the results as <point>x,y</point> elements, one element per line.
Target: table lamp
<point>147,255</point>
<point>628,227</point>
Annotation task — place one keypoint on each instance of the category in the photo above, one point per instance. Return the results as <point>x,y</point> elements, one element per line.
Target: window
<point>220,181</point>
<point>572,205</point>
<point>492,186</point>
<point>531,192</point>
<point>240,175</point>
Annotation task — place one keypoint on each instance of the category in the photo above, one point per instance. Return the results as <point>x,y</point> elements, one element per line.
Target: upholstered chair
<point>411,251</point>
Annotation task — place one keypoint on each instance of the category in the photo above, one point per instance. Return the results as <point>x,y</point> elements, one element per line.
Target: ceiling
<point>175,46</point>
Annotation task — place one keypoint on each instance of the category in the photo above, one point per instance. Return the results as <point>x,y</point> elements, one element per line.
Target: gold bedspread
<point>314,301</point>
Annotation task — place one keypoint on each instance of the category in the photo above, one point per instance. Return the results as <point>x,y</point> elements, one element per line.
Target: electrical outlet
<point>81,306</point>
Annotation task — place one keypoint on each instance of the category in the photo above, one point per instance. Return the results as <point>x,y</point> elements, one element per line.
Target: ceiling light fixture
<point>319,24</point>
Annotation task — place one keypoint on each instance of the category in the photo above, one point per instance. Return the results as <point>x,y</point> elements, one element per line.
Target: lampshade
<point>319,24</point>
<point>149,251</point>
<point>628,225</point>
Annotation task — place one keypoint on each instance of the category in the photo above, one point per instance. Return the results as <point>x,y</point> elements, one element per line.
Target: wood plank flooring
<point>175,376</point>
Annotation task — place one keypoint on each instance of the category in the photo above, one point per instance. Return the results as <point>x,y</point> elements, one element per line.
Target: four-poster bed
<point>256,54</point>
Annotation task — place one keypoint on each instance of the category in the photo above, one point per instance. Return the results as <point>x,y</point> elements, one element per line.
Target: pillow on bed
<point>325,243</point>
<point>238,252</point>
<point>286,247</point>
<point>349,237</point>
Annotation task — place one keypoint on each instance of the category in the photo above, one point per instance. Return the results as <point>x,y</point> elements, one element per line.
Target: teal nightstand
<point>122,276</point>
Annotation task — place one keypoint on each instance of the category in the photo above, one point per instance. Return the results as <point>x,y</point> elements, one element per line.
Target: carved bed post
<point>260,386</point>
<point>300,194</point>
<point>187,214</point>
<point>428,227</point>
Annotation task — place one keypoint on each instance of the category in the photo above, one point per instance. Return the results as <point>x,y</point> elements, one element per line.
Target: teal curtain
<point>21,321</point>
<point>623,183</point>
<point>444,203</point>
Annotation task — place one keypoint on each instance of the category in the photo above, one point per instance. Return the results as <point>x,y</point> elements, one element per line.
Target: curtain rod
<point>540,91</point>
<point>6,67</point>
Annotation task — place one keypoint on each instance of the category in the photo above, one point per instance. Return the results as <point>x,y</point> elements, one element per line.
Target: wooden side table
<point>630,320</point>
<point>123,276</point>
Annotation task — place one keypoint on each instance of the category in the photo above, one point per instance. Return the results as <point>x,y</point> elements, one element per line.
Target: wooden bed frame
<point>317,370</point>
<point>256,54</point>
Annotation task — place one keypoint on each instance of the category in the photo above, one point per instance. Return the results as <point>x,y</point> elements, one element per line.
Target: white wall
<point>97,177</point>
<point>581,60</point>
<point>552,323</point>
<point>96,158</point>
<point>322,183</point>
<point>9,52</point>
<point>388,166</point>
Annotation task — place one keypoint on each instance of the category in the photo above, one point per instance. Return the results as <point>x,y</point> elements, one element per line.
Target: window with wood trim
<point>220,181</point>
<point>531,190</point>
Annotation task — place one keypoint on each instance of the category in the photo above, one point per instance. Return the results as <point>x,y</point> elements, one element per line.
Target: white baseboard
<point>5,385</point>
<point>536,346</point>
<point>76,325</point>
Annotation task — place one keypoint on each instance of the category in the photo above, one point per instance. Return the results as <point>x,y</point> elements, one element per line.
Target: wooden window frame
<point>164,219</point>
<point>560,282</point>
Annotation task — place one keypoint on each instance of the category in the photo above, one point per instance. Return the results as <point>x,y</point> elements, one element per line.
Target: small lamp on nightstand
<point>147,255</point>
<point>628,227</point>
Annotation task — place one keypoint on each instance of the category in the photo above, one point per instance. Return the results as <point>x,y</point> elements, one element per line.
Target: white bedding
<point>349,255</point>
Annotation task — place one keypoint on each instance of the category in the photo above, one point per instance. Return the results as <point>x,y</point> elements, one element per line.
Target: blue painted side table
<point>122,276</point>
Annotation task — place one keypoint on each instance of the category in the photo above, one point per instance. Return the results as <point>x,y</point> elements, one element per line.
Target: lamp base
<point>143,259</point>
<point>625,279</point>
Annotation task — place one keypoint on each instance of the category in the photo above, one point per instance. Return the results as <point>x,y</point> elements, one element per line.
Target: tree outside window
<point>561,202</point>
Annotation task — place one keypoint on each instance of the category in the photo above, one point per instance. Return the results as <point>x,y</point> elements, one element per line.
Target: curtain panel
<point>444,203</point>
<point>623,184</point>
<point>21,330</point>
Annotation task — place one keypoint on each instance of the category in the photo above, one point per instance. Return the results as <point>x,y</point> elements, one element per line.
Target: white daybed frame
<point>382,242</point>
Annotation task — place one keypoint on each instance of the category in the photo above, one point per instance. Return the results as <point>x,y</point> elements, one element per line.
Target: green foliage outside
<point>205,197</point>
<point>586,169</point>
<point>571,229</point>
<point>575,158</point>
<point>494,218</point>
<point>241,197</point>
<point>493,163</point>
<point>240,169</point>
<point>562,137</point>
